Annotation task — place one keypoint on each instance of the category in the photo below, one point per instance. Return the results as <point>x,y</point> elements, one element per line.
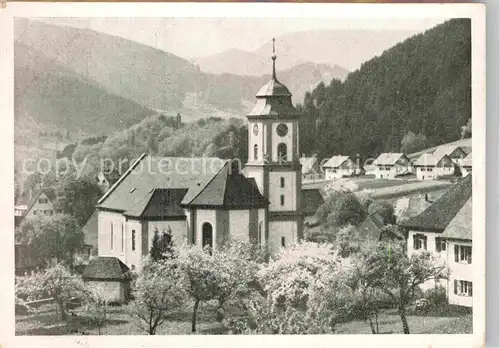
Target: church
<point>206,201</point>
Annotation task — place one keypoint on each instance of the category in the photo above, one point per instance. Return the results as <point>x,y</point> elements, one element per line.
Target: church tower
<point>273,161</point>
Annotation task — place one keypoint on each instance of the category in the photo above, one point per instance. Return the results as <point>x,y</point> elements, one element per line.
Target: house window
<point>419,241</point>
<point>333,170</point>
<point>282,200</point>
<point>462,288</point>
<point>255,152</point>
<point>440,245</point>
<point>123,237</point>
<point>43,200</point>
<point>111,236</point>
<point>283,244</point>
<point>282,182</point>
<point>463,254</point>
<point>133,240</point>
<point>35,212</point>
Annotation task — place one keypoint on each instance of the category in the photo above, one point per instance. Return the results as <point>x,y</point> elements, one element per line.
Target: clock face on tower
<point>282,129</point>
<point>255,129</point>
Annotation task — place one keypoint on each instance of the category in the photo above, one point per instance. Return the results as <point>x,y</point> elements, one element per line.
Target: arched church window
<point>207,235</point>
<point>282,151</point>
<point>255,152</point>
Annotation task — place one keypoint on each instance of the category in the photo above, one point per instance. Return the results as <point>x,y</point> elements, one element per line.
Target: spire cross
<point>273,57</point>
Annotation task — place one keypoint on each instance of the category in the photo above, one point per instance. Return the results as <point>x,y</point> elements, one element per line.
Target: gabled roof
<point>467,161</point>
<point>428,159</point>
<point>228,189</point>
<point>335,161</point>
<point>106,268</point>
<point>438,215</point>
<point>461,225</point>
<point>371,227</point>
<point>28,201</point>
<point>308,163</point>
<point>444,150</point>
<point>388,159</point>
<point>160,203</point>
<point>137,186</point>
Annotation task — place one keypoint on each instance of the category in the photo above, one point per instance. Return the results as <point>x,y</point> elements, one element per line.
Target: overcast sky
<point>181,36</point>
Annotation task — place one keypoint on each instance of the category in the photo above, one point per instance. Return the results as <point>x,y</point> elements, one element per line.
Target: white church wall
<point>239,222</point>
<point>279,230</point>
<point>202,216</point>
<point>134,255</point>
<point>110,243</point>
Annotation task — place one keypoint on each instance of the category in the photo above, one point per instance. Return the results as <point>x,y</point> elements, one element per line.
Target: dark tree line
<point>420,88</point>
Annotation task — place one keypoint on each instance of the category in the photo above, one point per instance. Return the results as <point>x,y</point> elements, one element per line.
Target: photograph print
<point>248,176</point>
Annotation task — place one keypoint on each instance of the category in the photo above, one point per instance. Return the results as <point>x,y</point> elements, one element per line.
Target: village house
<point>34,203</point>
<point>455,152</point>
<point>207,201</point>
<point>111,276</point>
<point>458,236</point>
<point>392,165</point>
<point>426,231</point>
<point>434,166</point>
<point>310,168</point>
<point>339,167</point>
<point>466,167</point>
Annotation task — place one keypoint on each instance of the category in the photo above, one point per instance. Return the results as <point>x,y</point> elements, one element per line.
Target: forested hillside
<point>160,135</point>
<point>422,85</point>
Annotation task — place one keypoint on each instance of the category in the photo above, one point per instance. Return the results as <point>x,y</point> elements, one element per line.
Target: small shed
<point>111,276</point>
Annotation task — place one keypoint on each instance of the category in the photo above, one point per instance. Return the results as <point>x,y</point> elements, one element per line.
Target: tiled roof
<point>106,268</point>
<point>335,161</point>
<point>447,150</point>
<point>438,215</point>
<point>467,161</point>
<point>308,163</point>
<point>428,159</point>
<point>137,185</point>
<point>274,88</point>
<point>160,203</point>
<point>371,227</point>
<point>461,225</point>
<point>28,201</point>
<point>388,158</point>
<point>465,144</point>
<point>228,189</point>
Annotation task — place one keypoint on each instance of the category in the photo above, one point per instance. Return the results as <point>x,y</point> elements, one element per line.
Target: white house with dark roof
<point>433,166</point>
<point>207,201</point>
<point>391,165</point>
<point>466,166</point>
<point>440,228</point>
<point>339,167</point>
<point>33,204</point>
<point>455,152</point>
<point>458,237</point>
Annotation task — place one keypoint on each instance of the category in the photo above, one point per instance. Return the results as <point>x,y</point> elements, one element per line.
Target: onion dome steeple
<point>274,98</point>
